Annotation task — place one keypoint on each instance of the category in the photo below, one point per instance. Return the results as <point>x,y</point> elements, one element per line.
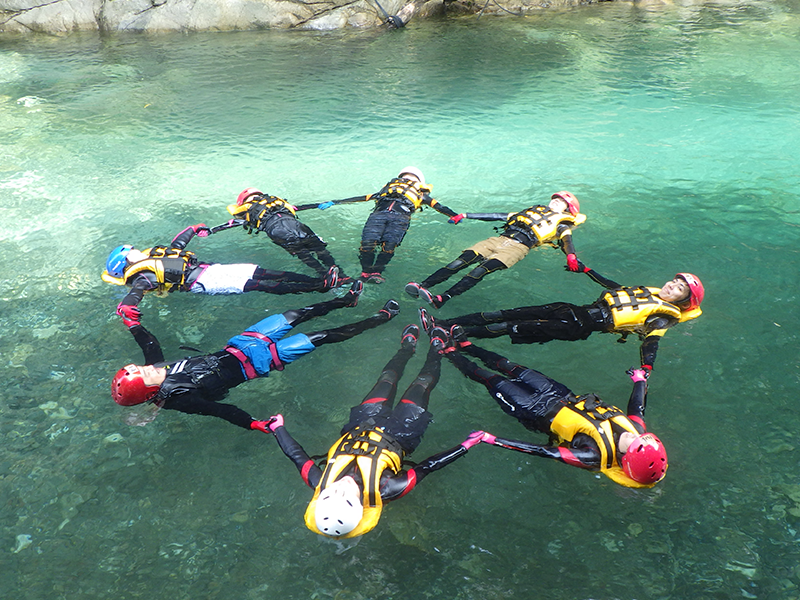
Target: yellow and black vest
<point>539,225</point>
<point>599,421</point>
<point>170,265</point>
<point>630,308</point>
<point>409,194</point>
<point>257,212</point>
<point>370,451</point>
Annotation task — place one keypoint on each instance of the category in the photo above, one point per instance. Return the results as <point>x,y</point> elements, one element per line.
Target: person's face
<point>676,290</point>
<point>625,440</point>
<point>558,205</point>
<point>135,256</point>
<point>152,375</point>
<point>410,177</point>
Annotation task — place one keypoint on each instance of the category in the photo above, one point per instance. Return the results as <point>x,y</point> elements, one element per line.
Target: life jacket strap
<point>277,363</point>
<point>249,369</point>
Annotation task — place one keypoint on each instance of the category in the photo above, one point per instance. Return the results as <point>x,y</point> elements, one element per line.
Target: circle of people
<point>365,467</point>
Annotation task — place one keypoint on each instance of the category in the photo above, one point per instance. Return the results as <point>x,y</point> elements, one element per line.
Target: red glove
<point>131,316</point>
<point>476,437</point>
<point>648,368</point>
<point>201,230</point>
<point>572,263</point>
<point>456,219</point>
<point>261,426</point>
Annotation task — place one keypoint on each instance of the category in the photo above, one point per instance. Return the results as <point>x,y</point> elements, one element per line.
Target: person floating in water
<point>647,312</point>
<point>389,221</point>
<point>589,433</point>
<point>256,212</point>
<point>364,468</point>
<point>196,385</point>
<point>532,227</point>
<point>171,268</point>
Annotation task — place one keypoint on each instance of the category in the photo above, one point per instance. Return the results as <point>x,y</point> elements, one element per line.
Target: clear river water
<point>677,126</point>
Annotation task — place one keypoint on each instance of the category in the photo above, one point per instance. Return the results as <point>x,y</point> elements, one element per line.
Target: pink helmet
<point>572,202</point>
<point>128,388</point>
<point>696,290</point>
<point>646,459</point>
<point>246,194</point>
<point>413,171</point>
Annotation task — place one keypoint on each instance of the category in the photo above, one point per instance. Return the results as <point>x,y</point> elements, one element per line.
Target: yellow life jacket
<point>539,224</point>
<point>598,420</point>
<point>410,193</point>
<point>371,451</point>
<point>257,212</point>
<point>631,307</point>
<point>170,265</point>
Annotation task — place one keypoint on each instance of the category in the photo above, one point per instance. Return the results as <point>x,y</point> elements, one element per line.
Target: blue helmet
<point>115,265</point>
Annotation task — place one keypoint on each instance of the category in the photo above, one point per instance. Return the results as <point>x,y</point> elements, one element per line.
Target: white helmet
<point>415,172</point>
<point>339,509</point>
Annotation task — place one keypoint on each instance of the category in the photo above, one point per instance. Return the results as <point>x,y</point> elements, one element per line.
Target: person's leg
<point>283,282</point>
<point>345,332</point>
<point>469,369</point>
<point>473,278</point>
<point>316,245</point>
<point>493,360</point>
<point>464,260</point>
<point>370,237</point>
<point>396,228</point>
<point>410,418</point>
<point>300,315</point>
<point>378,402</point>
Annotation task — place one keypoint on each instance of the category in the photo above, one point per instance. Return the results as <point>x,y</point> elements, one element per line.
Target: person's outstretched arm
<point>148,343</point>
<point>399,485</point>
<point>578,454</point>
<point>309,471</point>
<point>194,404</point>
<point>329,203</point>
<point>441,208</point>
<point>638,400</point>
<point>488,216</point>
<point>184,237</point>
<point>597,278</point>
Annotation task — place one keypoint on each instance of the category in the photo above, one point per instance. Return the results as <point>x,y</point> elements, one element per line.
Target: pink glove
<point>476,437</point>
<point>572,263</point>
<point>638,375</point>
<point>456,219</point>
<point>131,316</point>
<point>201,230</point>
<point>275,422</point>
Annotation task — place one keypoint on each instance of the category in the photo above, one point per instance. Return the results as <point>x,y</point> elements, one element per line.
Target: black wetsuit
<point>562,321</point>
<point>534,400</point>
<point>404,424</point>
<point>196,385</point>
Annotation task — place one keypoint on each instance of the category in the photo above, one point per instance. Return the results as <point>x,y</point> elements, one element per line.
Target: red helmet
<point>128,388</point>
<point>696,290</point>
<point>246,194</point>
<point>572,202</point>
<point>646,460</point>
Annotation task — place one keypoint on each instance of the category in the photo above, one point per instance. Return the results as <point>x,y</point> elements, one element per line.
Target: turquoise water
<point>676,126</point>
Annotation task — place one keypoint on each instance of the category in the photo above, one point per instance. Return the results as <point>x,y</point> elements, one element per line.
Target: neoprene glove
<point>572,263</point>
<point>325,205</point>
<point>637,374</point>
<point>476,437</point>
<point>201,230</point>
<point>457,219</point>
<point>131,315</point>
<point>261,426</point>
